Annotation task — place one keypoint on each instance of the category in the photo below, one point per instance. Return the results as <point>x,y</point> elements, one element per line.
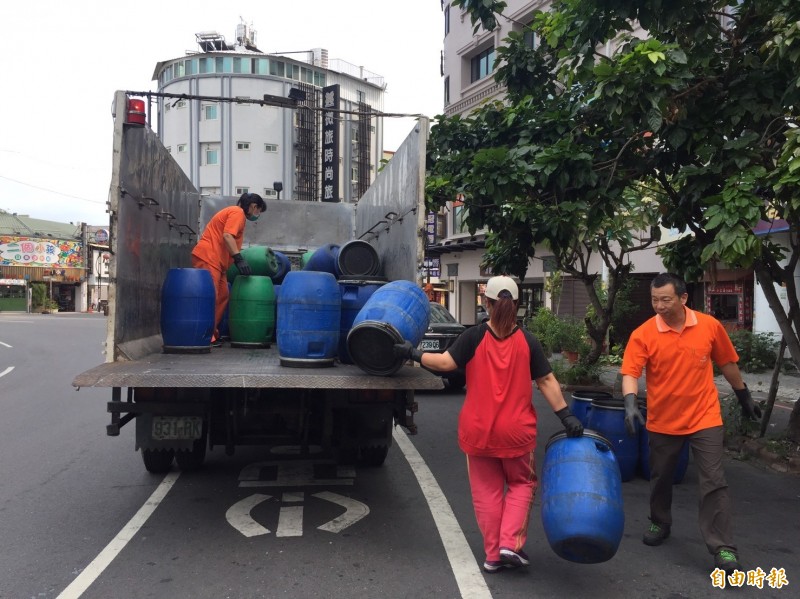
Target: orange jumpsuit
<point>212,254</point>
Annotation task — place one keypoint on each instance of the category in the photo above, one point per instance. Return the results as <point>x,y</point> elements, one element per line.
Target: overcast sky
<point>62,61</point>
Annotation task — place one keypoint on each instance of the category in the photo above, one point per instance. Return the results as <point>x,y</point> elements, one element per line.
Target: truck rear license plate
<point>430,344</point>
<point>168,428</point>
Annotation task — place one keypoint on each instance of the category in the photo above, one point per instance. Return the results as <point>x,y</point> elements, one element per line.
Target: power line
<point>53,191</point>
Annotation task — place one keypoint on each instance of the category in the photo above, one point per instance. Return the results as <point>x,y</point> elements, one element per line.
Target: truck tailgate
<point>245,368</point>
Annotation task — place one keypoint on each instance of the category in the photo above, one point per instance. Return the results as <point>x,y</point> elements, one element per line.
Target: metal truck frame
<point>186,403</point>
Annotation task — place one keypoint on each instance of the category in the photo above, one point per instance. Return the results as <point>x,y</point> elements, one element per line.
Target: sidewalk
<point>758,383</point>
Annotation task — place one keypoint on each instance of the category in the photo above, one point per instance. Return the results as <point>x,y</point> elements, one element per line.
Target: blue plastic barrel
<point>644,454</point>
<point>284,266</point>
<point>309,315</point>
<point>398,311</point>
<point>355,293</point>
<point>324,259</point>
<point>357,258</point>
<point>582,511</point>
<point>607,417</point>
<point>187,310</point>
<point>582,403</point>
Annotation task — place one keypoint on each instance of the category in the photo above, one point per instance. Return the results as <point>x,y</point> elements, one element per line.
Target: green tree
<point>696,110</point>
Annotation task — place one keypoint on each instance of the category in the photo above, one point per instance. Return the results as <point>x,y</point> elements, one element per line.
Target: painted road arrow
<point>290,519</point>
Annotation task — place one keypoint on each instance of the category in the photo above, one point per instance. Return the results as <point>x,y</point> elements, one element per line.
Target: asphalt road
<point>71,501</point>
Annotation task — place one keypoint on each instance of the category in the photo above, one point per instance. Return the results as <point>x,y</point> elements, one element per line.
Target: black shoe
<point>727,561</point>
<point>217,343</point>
<point>515,559</point>
<point>656,534</point>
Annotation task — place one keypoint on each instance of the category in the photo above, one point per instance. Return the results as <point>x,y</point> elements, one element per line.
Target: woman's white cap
<point>497,284</point>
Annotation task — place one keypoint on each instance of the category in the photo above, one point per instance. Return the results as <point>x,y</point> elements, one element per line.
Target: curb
<point>751,448</point>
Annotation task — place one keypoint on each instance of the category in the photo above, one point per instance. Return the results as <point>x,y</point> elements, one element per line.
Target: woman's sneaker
<point>727,561</point>
<point>493,566</point>
<point>515,559</point>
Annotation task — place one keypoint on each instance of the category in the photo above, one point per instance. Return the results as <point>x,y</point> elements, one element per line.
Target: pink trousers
<point>502,495</point>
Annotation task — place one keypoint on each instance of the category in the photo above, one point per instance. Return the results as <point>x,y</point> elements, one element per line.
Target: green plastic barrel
<point>251,312</point>
<point>305,258</point>
<point>262,260</point>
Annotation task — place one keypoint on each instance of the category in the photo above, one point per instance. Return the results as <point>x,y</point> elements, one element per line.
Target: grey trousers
<point>715,505</point>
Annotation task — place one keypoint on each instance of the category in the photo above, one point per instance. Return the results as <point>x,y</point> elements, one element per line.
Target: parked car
<point>481,315</point>
<point>443,329</point>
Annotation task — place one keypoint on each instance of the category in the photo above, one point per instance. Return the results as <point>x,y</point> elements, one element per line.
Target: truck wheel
<point>373,455</point>
<point>157,461</point>
<point>192,459</point>
<point>456,382</point>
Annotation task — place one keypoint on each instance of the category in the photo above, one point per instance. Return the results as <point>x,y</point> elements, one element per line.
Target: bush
<point>757,351</point>
<point>545,326</point>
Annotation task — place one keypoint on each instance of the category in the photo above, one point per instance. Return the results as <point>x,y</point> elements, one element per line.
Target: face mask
<point>252,218</point>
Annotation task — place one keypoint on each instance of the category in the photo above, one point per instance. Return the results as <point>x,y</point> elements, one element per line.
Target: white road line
<point>466,570</point>
<point>238,515</point>
<point>354,511</point>
<point>5,344</point>
<point>290,521</point>
<point>106,556</point>
<point>6,371</point>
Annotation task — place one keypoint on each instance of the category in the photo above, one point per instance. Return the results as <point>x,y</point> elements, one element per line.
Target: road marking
<point>5,345</point>
<point>290,521</point>
<point>466,570</point>
<point>117,544</point>
<point>238,515</point>
<point>6,371</point>
<point>292,474</point>
<point>354,511</point>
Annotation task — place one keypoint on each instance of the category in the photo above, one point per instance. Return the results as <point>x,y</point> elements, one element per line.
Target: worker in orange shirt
<point>220,246</point>
<point>676,348</point>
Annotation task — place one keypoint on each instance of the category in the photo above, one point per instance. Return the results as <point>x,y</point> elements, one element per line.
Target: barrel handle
<point>602,446</point>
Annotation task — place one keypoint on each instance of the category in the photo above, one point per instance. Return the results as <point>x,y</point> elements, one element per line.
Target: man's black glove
<point>749,407</point>
<point>242,265</point>
<point>571,423</point>
<point>407,351</point>
<point>632,414</point>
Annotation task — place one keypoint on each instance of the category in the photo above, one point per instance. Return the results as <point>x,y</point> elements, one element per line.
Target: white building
<point>229,148</point>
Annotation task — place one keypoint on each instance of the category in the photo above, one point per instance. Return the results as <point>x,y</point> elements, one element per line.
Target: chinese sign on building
<point>22,251</point>
<point>330,143</point>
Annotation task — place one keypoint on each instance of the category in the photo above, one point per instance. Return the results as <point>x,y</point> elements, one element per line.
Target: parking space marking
<point>354,511</point>
<point>6,371</point>
<point>468,575</point>
<point>238,515</point>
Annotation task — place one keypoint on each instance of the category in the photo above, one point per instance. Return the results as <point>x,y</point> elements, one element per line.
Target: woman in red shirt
<point>497,424</point>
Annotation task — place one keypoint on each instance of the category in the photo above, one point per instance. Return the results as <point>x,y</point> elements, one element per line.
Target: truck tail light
<point>136,112</point>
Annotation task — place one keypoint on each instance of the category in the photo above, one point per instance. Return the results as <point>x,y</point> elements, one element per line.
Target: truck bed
<point>245,368</point>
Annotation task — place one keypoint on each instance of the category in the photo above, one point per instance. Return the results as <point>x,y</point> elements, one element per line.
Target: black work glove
<point>242,265</point>
<point>407,351</point>
<point>749,407</point>
<point>632,414</point>
<point>571,423</point>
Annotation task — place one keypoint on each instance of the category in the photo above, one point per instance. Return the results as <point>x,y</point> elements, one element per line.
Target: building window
<point>210,112</point>
<point>361,96</point>
<point>242,145</point>
<point>271,148</point>
<point>447,90</point>
<point>482,65</point>
<point>241,190</point>
<point>354,174</point>
<point>180,104</point>
<point>212,156</point>
<point>270,193</point>
<point>459,218</point>
<point>181,148</point>
<point>529,37</point>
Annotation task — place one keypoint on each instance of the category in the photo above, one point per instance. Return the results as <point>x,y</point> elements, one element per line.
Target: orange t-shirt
<point>211,248</point>
<point>681,395</point>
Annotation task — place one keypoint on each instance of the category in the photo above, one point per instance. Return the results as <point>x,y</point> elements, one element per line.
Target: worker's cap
<point>497,284</point>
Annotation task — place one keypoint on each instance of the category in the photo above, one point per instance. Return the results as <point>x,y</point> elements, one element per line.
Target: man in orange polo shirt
<point>220,246</point>
<point>677,347</point>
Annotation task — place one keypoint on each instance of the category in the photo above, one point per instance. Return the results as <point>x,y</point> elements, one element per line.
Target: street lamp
<point>278,186</point>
